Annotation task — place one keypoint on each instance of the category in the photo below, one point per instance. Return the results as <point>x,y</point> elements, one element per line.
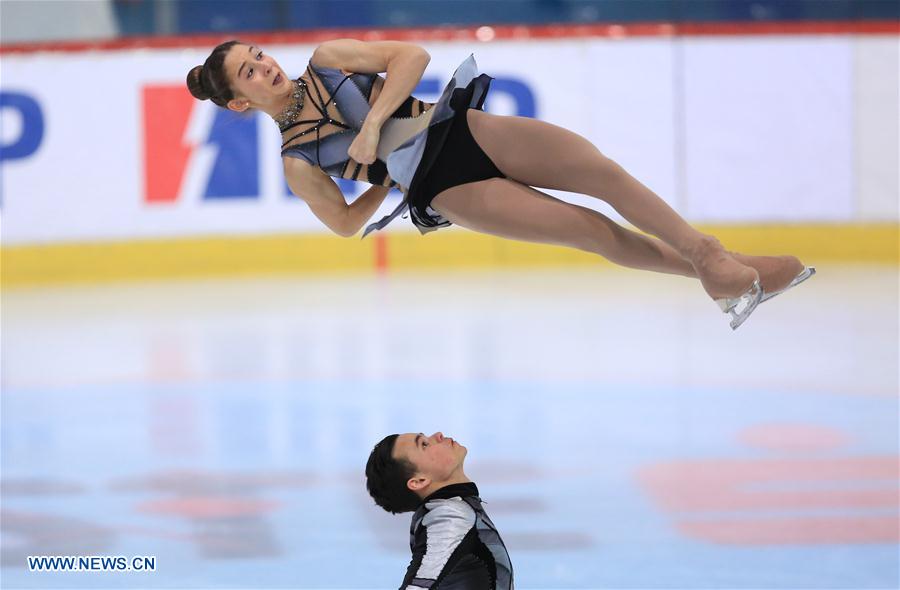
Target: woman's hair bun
<point>195,84</point>
<point>210,81</point>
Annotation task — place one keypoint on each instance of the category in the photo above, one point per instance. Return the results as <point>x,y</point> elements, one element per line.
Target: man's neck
<point>452,480</point>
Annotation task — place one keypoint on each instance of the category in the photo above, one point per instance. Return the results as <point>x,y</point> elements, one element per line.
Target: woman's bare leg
<point>543,155</point>
<point>509,209</point>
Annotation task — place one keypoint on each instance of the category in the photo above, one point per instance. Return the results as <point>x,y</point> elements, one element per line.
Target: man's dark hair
<point>386,478</point>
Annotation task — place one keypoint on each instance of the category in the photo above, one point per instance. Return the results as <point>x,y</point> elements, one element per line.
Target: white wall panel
<point>768,129</point>
<point>877,118</point>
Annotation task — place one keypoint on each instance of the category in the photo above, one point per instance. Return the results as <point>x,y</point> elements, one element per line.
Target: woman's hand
<point>363,148</point>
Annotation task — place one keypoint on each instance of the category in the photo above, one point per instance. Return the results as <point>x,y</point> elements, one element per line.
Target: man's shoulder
<point>453,511</point>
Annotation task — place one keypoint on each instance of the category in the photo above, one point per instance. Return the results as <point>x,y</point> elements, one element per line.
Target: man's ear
<point>238,105</point>
<point>418,483</point>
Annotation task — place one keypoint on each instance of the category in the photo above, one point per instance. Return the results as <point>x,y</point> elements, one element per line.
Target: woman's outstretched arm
<point>326,200</point>
<point>404,64</point>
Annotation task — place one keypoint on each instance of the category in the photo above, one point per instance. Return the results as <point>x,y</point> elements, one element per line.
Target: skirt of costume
<point>443,155</point>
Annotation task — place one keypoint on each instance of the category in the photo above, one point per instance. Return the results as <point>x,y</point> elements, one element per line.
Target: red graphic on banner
<point>166,110</point>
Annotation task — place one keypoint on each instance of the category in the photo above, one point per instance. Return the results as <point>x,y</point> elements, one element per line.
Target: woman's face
<point>255,76</point>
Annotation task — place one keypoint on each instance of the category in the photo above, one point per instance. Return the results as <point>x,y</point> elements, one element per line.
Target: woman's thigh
<point>510,209</point>
<point>541,154</point>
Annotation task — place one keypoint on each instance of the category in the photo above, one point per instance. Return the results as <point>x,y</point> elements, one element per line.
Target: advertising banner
<point>109,145</point>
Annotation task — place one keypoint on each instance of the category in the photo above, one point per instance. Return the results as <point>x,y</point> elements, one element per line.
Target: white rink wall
<point>109,145</point>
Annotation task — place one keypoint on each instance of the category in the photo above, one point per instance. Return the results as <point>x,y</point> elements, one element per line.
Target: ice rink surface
<point>620,433</point>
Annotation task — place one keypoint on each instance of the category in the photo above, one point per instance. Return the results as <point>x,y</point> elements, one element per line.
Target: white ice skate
<point>742,306</point>
<point>806,273</point>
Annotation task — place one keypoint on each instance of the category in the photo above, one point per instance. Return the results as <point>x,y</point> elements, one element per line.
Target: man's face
<point>437,458</point>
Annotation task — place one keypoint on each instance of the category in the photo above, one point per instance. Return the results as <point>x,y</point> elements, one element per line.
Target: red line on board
<point>477,34</point>
<point>381,253</point>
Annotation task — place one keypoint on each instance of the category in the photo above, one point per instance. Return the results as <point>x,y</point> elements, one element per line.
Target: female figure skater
<point>458,164</point>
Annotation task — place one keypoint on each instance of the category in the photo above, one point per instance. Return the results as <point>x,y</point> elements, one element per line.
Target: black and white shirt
<point>455,546</point>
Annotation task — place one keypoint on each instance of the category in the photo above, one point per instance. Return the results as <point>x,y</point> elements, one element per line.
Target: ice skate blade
<point>804,274</point>
<point>740,308</point>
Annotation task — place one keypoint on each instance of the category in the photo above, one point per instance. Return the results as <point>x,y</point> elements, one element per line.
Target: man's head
<point>403,469</point>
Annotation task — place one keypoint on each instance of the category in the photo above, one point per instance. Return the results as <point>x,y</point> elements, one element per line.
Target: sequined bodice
<point>339,104</point>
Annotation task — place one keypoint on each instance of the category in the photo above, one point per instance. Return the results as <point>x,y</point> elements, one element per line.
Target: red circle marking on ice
<point>208,507</point>
<point>793,438</point>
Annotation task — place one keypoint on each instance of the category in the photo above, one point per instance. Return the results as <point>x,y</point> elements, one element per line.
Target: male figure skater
<point>454,544</point>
